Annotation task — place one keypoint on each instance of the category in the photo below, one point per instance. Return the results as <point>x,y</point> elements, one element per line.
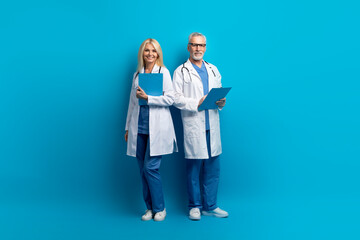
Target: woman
<point>151,123</point>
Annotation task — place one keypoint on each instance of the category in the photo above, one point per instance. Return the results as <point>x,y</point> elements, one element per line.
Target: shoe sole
<point>157,220</point>
<point>194,218</point>
<point>214,215</point>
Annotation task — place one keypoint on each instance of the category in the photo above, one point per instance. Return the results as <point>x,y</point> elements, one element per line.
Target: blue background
<point>290,129</point>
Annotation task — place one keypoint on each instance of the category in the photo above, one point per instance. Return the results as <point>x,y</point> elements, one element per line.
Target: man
<point>192,81</point>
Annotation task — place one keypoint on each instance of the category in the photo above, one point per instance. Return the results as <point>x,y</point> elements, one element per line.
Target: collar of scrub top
<point>156,68</point>
<point>188,67</point>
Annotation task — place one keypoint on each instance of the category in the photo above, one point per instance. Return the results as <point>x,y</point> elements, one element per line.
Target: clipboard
<point>152,84</point>
<point>214,95</point>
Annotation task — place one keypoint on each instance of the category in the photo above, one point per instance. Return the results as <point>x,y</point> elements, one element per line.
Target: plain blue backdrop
<point>290,128</point>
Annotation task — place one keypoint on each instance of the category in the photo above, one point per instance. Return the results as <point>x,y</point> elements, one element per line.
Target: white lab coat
<point>161,128</point>
<point>188,92</point>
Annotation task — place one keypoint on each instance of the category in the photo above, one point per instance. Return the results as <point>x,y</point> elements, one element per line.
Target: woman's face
<point>150,54</point>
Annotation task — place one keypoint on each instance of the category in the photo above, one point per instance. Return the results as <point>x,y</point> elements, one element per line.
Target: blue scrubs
<point>203,174</point>
<point>203,177</point>
<point>205,81</point>
<point>149,165</point>
<point>150,175</point>
<point>143,122</point>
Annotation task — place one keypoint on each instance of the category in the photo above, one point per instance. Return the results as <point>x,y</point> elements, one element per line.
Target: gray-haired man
<point>192,81</point>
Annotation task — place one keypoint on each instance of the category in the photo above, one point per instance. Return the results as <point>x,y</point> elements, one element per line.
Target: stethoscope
<point>137,73</point>
<point>183,67</point>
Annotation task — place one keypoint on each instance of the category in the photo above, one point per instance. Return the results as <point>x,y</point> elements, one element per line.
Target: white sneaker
<point>160,216</point>
<point>194,214</point>
<point>217,212</point>
<point>147,216</point>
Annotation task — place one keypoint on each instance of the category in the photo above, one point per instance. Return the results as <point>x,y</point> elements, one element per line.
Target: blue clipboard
<point>213,96</point>
<point>152,84</point>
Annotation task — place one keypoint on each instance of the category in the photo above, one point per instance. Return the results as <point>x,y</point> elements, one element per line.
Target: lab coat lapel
<point>210,75</point>
<point>155,69</point>
<point>192,70</point>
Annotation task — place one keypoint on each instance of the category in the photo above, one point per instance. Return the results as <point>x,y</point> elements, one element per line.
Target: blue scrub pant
<point>150,175</point>
<point>204,173</point>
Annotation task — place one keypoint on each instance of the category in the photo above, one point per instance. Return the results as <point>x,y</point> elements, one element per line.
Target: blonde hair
<point>159,60</point>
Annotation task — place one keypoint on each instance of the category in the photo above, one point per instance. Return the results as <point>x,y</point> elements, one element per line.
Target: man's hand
<point>126,135</point>
<point>141,94</point>
<point>201,100</point>
<point>221,102</point>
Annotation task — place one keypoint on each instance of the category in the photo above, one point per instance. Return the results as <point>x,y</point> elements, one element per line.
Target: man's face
<point>197,48</point>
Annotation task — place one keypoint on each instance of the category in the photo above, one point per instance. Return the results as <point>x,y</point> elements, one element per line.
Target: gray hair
<point>195,34</point>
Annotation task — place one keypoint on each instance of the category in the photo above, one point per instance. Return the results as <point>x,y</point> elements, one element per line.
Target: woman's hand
<point>141,94</point>
<point>126,135</point>
<point>221,102</point>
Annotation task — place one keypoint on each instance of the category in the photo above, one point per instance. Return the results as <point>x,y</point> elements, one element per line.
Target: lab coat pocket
<point>193,146</point>
<point>191,128</point>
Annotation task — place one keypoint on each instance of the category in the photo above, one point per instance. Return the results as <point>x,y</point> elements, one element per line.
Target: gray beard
<point>197,58</point>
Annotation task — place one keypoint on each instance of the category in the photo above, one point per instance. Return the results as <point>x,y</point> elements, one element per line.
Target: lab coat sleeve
<point>132,102</point>
<point>168,97</point>
<point>182,102</point>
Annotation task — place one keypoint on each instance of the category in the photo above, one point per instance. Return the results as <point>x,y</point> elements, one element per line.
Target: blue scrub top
<point>143,123</point>
<point>205,81</point>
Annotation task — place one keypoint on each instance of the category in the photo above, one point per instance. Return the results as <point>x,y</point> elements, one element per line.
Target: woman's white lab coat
<point>161,128</point>
<point>188,92</point>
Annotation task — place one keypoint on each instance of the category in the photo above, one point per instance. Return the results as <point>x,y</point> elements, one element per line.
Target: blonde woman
<point>151,126</point>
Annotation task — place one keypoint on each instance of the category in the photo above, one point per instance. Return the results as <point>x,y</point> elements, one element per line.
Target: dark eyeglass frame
<point>197,45</point>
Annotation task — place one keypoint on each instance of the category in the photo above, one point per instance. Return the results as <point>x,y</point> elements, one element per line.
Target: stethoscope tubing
<point>183,67</point>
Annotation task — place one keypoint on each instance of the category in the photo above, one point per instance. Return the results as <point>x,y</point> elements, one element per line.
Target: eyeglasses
<point>194,45</point>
